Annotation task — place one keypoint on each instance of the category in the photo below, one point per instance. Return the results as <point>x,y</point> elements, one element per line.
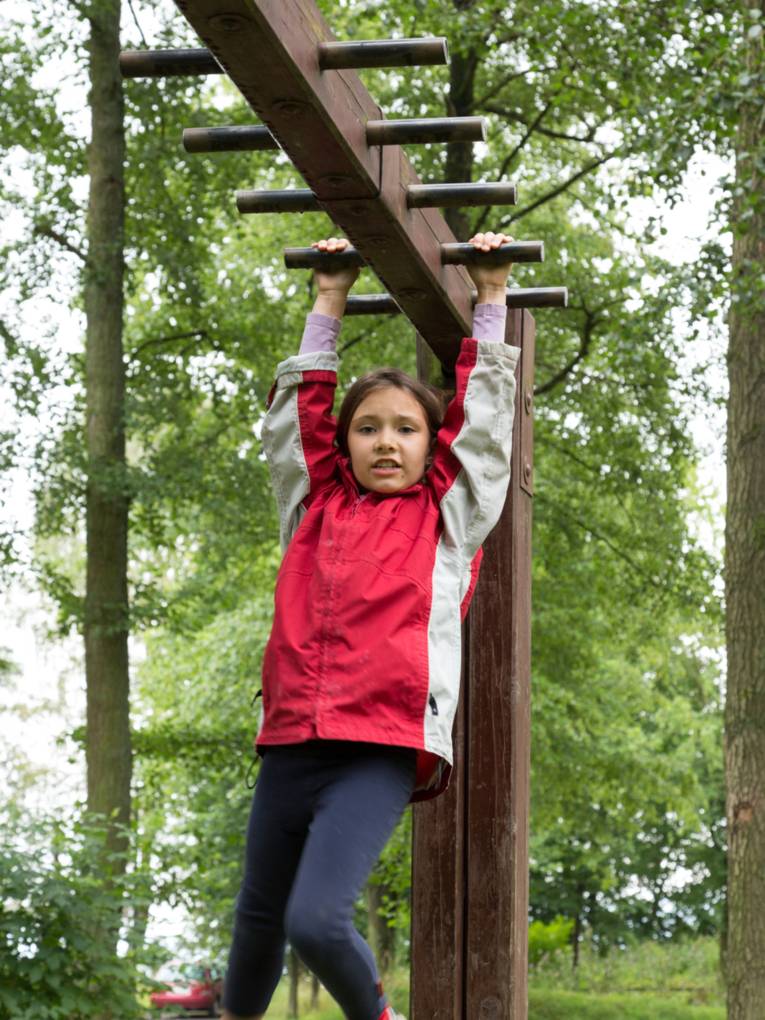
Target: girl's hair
<point>428,397</point>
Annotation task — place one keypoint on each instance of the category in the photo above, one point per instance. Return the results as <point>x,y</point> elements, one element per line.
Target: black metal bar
<point>167,63</point>
<point>516,297</point>
<point>451,255</point>
<point>247,138</point>
<point>421,196</point>
<point>515,251</point>
<point>383,53</point>
<point>312,258</point>
<point>371,304</point>
<point>291,200</point>
<point>537,297</point>
<point>426,129</point>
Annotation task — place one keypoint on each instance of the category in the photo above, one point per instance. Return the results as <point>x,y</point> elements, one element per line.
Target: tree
<point>745,543</point>
<point>105,622</point>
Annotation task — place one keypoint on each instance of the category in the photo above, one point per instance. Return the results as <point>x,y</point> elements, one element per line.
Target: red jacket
<point>372,589</point>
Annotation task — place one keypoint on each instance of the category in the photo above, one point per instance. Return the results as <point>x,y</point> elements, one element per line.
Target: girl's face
<point>389,440</point>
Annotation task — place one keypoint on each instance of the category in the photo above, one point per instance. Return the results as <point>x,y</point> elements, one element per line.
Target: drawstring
<point>249,779</point>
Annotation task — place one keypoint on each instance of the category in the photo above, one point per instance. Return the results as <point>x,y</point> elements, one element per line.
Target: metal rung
<point>537,297</point>
<point>451,255</point>
<point>516,297</point>
<point>291,200</point>
<point>418,196</point>
<point>312,258</point>
<point>383,53</point>
<point>461,254</point>
<point>371,304</point>
<point>167,63</point>
<point>248,138</point>
<point>426,129</point>
<point>421,196</point>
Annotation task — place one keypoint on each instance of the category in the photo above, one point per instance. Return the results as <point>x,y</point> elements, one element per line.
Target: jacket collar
<point>353,489</point>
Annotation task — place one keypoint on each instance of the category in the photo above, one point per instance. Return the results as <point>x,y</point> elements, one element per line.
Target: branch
<point>584,347</point>
<point>592,165</point>
<point>505,80</point>
<point>43,230</point>
<point>198,334</point>
<point>355,340</point>
<point>509,159</point>
<point>548,132</point>
<point>137,23</point>
<point>588,529</point>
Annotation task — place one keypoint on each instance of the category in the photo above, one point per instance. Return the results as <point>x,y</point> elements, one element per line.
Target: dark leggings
<point>321,815</point>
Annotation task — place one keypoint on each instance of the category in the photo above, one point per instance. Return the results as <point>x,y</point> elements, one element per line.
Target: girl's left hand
<point>491,281</point>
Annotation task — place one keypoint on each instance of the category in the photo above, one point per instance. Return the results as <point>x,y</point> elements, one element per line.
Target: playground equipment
<point>470,855</point>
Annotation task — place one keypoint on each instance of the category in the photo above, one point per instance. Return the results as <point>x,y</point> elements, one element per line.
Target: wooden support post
<point>470,856</point>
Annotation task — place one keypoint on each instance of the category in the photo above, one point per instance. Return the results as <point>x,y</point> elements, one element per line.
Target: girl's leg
<point>355,813</point>
<point>279,819</point>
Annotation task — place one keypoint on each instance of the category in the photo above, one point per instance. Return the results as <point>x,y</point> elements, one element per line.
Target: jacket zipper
<point>357,504</point>
<point>325,635</point>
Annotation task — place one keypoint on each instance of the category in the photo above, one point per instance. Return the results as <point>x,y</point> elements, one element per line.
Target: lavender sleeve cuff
<point>320,333</point>
<point>489,322</point>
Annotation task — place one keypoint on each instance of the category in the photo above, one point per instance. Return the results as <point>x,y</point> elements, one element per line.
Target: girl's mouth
<point>385,469</point>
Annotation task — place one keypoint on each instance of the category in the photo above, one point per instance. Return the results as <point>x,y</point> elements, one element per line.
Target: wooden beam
<point>470,845</point>
<point>319,118</point>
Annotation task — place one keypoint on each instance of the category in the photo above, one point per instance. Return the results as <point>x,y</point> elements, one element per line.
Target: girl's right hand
<point>340,281</point>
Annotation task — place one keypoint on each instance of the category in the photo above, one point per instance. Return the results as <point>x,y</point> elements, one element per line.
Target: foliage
<point>547,940</point>
<point>627,782</point>
<point>54,908</point>
<point>684,967</point>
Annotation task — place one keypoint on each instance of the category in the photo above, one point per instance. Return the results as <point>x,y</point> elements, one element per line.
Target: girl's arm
<point>299,428</point>
<point>471,461</point>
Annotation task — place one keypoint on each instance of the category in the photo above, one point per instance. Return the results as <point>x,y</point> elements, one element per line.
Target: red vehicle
<point>190,987</point>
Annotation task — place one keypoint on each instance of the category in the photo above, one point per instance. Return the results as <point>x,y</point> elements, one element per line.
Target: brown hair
<point>428,397</point>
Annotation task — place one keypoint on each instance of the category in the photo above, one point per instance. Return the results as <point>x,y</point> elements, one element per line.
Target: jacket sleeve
<point>471,461</point>
<point>299,433</point>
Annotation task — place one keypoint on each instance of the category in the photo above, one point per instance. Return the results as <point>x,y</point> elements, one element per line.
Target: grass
<point>545,1004</point>
<point>647,981</point>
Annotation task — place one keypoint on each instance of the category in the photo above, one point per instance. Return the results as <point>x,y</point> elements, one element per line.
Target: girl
<point>382,513</point>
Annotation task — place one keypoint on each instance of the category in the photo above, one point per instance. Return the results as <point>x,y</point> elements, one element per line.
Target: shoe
<point>389,1013</point>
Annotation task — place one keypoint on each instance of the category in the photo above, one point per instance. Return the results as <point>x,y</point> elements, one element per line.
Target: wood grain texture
<point>470,854</point>
<point>498,646</point>
<point>270,50</point>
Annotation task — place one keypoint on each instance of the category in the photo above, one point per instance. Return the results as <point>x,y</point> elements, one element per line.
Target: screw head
<point>528,399</point>
<point>227,22</point>
<point>527,470</point>
<point>289,107</point>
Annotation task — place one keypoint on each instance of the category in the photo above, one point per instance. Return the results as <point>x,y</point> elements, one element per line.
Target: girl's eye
<point>366,429</point>
<point>407,428</point>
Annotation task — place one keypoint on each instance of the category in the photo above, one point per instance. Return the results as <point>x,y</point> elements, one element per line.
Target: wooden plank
<point>438,868</point>
<point>498,734</point>
<point>270,50</point>
<point>470,852</point>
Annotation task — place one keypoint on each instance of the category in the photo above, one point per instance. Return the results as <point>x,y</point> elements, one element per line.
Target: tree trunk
<point>315,986</point>
<point>576,934</point>
<point>106,600</point>
<point>459,156</point>
<point>745,560</point>
<point>293,1005</point>
<point>381,935</point>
